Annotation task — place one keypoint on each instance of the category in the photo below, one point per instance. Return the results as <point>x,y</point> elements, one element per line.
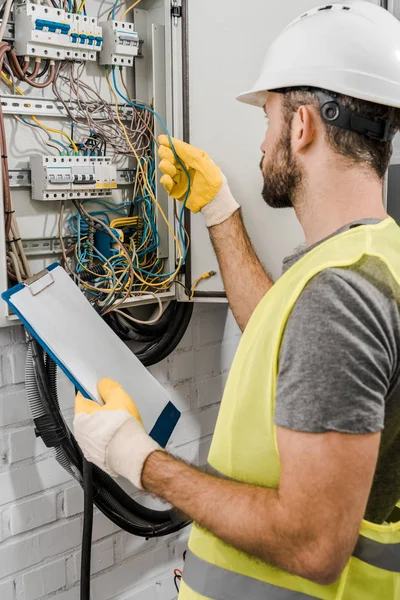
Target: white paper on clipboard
<point>64,322</point>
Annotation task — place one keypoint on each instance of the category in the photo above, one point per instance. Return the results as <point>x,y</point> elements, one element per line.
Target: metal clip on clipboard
<point>39,282</point>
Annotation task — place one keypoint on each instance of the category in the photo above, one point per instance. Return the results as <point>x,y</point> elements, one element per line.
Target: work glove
<point>209,189</point>
<point>112,436</point>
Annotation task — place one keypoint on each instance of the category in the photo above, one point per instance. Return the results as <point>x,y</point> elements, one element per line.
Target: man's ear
<point>304,128</point>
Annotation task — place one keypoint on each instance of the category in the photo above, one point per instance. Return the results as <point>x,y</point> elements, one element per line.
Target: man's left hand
<point>112,436</point>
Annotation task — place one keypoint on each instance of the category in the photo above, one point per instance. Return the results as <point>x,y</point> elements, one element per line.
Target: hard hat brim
<point>254,98</point>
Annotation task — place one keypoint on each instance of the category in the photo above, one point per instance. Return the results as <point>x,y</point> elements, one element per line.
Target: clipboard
<point>58,315</point>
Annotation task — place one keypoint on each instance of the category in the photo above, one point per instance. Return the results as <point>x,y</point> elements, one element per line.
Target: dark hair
<point>353,146</point>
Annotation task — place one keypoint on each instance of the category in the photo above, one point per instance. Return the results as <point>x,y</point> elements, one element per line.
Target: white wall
<point>41,506</point>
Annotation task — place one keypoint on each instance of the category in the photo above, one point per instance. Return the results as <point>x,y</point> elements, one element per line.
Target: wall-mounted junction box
<point>120,45</point>
<point>42,31</point>
<point>68,177</point>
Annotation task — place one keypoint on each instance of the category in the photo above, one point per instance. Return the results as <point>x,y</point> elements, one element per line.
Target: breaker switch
<point>120,45</point>
<point>63,177</point>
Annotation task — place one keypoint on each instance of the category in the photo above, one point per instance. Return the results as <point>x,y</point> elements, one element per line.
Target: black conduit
<point>87,530</point>
<point>108,496</point>
<point>163,339</point>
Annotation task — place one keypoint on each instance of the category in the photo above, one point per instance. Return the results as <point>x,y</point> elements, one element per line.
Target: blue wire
<point>114,7</point>
<point>43,129</point>
<point>153,112</point>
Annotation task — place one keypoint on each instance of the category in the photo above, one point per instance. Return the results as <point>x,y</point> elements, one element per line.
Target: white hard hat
<point>351,48</point>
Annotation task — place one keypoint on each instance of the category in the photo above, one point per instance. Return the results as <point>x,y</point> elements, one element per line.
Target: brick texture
<point>41,505</point>
<point>43,581</point>
<point>32,513</point>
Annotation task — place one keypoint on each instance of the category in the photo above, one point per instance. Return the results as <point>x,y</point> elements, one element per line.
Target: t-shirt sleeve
<point>337,357</point>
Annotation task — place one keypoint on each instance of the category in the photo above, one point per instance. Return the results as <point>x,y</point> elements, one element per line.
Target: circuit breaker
<point>47,32</point>
<point>120,45</point>
<point>66,177</point>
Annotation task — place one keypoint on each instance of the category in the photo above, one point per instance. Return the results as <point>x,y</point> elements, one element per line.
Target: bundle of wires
<point>117,505</point>
<point>107,250</point>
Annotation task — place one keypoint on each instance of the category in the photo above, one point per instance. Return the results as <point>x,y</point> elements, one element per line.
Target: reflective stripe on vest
<point>382,556</point>
<point>219,584</point>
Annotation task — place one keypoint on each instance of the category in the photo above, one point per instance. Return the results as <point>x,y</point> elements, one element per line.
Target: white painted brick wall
<point>40,582</point>
<point>41,506</point>
<point>7,590</point>
<point>33,513</point>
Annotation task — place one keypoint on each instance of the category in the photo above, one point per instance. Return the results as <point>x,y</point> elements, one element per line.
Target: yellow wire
<point>151,194</point>
<point>9,82</point>
<point>196,283</point>
<point>81,6</point>
<point>71,141</point>
<point>129,9</point>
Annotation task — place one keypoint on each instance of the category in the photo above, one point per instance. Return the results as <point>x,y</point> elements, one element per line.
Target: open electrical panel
<point>86,88</point>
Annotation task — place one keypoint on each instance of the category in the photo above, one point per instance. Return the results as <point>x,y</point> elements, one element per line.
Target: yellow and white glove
<point>209,189</point>
<point>112,436</point>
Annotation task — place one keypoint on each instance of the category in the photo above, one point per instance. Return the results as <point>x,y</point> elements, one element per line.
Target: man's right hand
<point>209,190</point>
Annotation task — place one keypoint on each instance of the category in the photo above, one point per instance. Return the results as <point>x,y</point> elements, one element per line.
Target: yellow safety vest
<point>244,447</point>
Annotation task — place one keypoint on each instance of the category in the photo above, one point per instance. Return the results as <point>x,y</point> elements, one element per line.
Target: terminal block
<point>120,44</point>
<point>65,177</point>
<point>46,32</point>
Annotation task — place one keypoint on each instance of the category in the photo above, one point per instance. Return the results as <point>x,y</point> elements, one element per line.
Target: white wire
<point>6,15</point>
<point>151,321</point>
<point>17,239</point>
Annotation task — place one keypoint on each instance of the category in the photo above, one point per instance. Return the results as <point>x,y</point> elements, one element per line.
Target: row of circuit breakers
<point>72,177</point>
<point>52,33</point>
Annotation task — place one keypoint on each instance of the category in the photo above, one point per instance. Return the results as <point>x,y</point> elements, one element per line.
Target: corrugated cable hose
<point>108,496</point>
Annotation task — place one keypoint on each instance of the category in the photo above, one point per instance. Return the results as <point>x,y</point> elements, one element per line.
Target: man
<point>306,451</point>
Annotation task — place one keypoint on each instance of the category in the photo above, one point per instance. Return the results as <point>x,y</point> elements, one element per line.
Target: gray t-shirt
<point>339,364</point>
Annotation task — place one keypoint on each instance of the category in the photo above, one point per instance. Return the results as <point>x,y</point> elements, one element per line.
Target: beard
<point>283,176</point>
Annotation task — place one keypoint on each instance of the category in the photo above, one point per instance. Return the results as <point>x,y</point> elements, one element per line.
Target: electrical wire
<point>59,131</point>
<point>182,235</point>
<point>116,6</point>
<point>5,17</point>
<point>150,321</point>
<point>40,132</point>
<point>19,72</point>
<point>82,4</point>
<point>96,115</point>
<point>169,276</point>
<point>38,125</point>
<point>129,9</point>
<point>196,283</point>
<point>177,577</point>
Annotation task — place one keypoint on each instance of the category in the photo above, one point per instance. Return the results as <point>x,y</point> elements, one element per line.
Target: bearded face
<point>282,173</point>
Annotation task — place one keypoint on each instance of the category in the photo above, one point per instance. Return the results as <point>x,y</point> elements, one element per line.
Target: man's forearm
<point>245,279</point>
<point>250,518</point>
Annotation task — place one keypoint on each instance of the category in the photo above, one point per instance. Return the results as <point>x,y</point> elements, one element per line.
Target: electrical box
<point>45,32</point>
<point>72,177</point>
<point>120,45</point>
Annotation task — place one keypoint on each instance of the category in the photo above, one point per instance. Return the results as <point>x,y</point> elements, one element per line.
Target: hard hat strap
<point>334,113</point>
